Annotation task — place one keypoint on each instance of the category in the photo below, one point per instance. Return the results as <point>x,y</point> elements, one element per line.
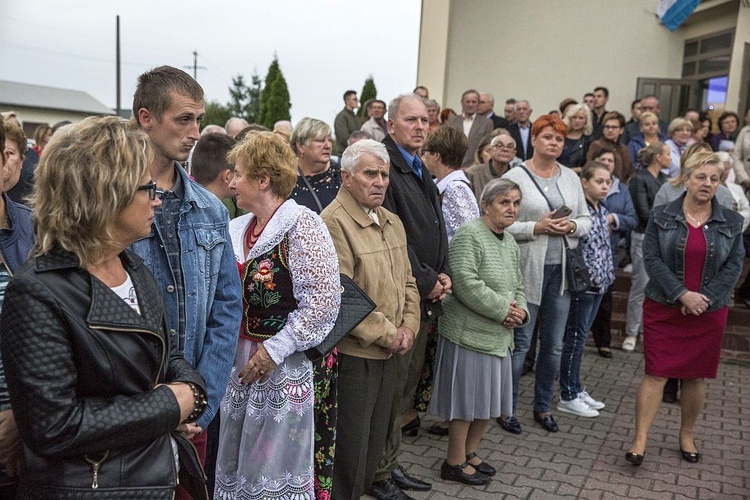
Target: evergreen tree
<point>238,96</point>
<point>368,92</point>
<point>252,110</point>
<point>216,114</point>
<point>274,98</point>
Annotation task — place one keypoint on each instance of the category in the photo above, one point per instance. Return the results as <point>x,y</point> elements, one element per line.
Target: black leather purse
<point>355,306</point>
<point>576,271</point>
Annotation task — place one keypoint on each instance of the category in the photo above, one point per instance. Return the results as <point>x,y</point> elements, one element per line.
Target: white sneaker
<point>628,269</point>
<point>577,407</point>
<point>593,403</point>
<point>628,345</point>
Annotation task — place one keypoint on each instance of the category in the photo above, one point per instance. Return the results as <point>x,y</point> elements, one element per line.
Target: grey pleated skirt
<point>470,385</point>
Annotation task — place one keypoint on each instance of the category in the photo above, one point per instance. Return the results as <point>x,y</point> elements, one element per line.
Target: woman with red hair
<point>553,209</point>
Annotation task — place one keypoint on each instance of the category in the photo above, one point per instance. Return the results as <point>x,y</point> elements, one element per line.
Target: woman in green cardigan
<point>473,364</point>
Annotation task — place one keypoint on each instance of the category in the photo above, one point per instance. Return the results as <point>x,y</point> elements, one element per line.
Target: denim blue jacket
<point>16,241</point>
<point>213,297</point>
<point>664,248</point>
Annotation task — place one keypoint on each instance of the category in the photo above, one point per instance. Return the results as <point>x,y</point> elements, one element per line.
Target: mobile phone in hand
<point>563,211</point>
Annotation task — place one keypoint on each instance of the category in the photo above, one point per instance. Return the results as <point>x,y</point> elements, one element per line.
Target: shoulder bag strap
<point>565,239</point>
<point>310,188</point>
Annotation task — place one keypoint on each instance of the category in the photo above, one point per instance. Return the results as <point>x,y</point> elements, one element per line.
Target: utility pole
<point>195,66</point>
<point>118,71</point>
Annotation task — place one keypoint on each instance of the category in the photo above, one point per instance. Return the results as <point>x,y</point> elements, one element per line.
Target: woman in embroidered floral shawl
<point>291,298</point>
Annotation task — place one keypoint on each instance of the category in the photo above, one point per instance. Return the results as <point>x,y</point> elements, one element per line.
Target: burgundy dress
<point>684,346</point>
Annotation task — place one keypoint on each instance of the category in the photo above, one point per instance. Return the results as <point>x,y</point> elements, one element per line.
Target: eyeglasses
<point>509,147</point>
<point>150,188</point>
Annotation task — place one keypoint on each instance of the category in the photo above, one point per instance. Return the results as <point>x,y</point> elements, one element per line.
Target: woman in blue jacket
<point>622,220</point>
<point>16,241</point>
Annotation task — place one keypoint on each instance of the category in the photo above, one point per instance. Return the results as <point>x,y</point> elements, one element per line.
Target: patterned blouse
<point>312,262</point>
<point>326,185</point>
<point>459,203</point>
<point>596,249</point>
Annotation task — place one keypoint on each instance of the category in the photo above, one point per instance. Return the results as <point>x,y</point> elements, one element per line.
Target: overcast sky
<point>324,46</point>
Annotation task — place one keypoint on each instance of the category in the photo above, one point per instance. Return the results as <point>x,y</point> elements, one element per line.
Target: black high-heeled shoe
<point>634,458</point>
<point>687,456</point>
<point>412,428</point>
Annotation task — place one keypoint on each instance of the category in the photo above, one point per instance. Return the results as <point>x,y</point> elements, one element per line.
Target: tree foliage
<point>274,98</point>
<point>368,92</point>
<point>216,114</point>
<point>253,106</point>
<point>256,103</point>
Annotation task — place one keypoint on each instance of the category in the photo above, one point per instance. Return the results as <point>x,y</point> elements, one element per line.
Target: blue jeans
<point>583,308</point>
<point>553,308</point>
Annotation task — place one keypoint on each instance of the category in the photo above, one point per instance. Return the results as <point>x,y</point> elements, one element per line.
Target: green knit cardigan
<point>486,278</point>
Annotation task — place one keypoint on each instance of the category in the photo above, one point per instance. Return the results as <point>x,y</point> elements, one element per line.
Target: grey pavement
<point>586,458</point>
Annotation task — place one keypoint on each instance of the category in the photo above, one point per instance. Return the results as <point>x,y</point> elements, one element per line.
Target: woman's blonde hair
<point>588,128</point>
<point>693,149</point>
<point>694,162</point>
<point>88,174</point>
<point>677,124</point>
<point>307,130</point>
<point>262,154</point>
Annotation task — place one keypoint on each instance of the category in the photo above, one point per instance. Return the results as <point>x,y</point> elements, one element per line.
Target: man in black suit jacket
<point>487,108</point>
<point>524,149</point>
<point>413,196</point>
<point>649,103</point>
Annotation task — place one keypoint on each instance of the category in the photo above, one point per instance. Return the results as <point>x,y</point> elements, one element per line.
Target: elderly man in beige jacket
<point>371,246</point>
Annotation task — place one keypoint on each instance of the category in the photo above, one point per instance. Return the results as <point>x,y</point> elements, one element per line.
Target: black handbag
<point>576,271</point>
<point>355,306</point>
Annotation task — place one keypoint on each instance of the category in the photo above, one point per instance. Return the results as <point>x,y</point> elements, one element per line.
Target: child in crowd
<point>595,247</point>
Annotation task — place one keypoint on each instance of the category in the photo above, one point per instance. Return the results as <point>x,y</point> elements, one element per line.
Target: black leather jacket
<point>81,367</point>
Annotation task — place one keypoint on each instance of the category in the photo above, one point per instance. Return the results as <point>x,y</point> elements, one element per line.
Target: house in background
<point>37,104</point>
<point>547,50</point>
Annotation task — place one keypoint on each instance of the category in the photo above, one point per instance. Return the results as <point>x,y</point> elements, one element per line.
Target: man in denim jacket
<point>189,251</point>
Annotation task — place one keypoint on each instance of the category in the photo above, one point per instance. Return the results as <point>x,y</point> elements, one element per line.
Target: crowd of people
<point>176,283</point>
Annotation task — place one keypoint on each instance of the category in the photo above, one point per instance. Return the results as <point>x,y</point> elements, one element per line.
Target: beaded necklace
<point>251,237</point>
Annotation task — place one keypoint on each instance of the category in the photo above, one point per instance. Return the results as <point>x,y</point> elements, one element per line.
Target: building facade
<point>547,50</point>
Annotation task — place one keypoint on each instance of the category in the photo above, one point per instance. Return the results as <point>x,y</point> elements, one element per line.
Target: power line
<point>195,66</point>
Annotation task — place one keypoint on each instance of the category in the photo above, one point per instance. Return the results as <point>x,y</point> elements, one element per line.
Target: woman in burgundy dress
<point>693,254</point>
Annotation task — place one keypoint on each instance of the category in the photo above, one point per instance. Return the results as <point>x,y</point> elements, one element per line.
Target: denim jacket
<point>664,248</point>
<point>16,241</point>
<point>213,297</point>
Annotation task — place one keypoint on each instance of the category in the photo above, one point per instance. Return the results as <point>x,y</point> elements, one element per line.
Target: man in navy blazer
<point>521,130</point>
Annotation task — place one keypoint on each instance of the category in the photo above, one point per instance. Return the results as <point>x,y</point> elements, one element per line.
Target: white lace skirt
<point>267,437</point>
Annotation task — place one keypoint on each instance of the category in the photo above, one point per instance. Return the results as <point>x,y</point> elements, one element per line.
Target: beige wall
<point>547,50</point>
<point>741,38</point>
<point>433,47</point>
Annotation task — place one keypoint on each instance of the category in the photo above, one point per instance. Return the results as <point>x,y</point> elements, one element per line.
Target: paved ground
<point>586,458</point>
